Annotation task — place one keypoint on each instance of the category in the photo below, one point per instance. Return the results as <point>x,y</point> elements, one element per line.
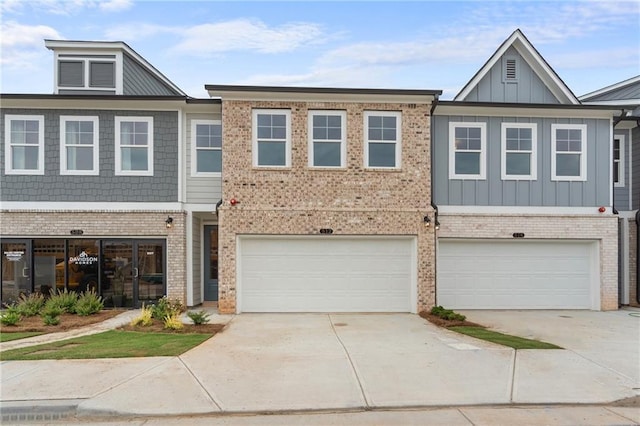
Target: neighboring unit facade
<point>522,181</point>
<point>625,95</point>
<point>93,192</point>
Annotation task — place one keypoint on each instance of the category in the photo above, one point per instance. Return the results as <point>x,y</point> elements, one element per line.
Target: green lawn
<point>110,344</point>
<point>7,337</point>
<point>514,342</point>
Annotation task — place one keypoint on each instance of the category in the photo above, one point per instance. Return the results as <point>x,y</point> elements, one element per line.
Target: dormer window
<point>95,73</point>
<point>510,69</point>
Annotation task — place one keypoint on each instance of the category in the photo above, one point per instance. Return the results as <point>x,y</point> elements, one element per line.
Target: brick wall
<point>300,200</point>
<point>604,229</point>
<point>104,224</point>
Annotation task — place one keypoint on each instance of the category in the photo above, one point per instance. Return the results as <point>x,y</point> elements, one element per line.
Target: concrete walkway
<point>297,362</point>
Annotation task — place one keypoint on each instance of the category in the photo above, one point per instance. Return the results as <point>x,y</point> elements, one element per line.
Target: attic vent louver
<point>510,70</point>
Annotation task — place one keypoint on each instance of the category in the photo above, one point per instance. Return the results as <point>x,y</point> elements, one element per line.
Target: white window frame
<point>583,152</point>
<point>398,140</point>
<point>83,56</point>
<point>118,147</point>
<point>64,170</point>
<point>342,140</point>
<point>533,166</point>
<point>483,150</point>
<point>254,136</point>
<point>194,148</point>
<point>621,162</point>
<point>8,158</point>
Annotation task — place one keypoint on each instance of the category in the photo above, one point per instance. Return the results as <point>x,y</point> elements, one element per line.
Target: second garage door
<point>326,274</point>
<point>499,274</point>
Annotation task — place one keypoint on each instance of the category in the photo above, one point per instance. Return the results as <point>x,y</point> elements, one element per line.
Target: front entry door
<point>16,270</point>
<point>210,262</point>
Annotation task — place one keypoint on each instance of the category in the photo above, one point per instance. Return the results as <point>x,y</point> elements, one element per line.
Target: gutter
<point>433,205</point>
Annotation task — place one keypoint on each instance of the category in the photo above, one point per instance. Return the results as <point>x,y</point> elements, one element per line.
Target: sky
<point>355,44</point>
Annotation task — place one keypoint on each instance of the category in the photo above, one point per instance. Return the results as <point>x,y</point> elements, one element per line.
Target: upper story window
<point>24,144</point>
<point>206,148</point>
<point>382,144</point>
<point>569,152</point>
<point>271,138</point>
<point>519,143</point>
<point>467,150</point>
<point>78,145</point>
<point>327,139</point>
<point>134,146</point>
<point>618,160</point>
<point>94,73</point>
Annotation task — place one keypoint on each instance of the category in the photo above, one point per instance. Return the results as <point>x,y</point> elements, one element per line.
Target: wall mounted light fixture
<point>427,221</point>
<point>169,222</point>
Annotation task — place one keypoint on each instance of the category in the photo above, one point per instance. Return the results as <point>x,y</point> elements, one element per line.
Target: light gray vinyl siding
<point>201,189</point>
<point>139,82</point>
<point>635,150</point>
<point>528,87</point>
<point>493,191</point>
<point>621,193</point>
<point>196,261</point>
<point>161,187</point>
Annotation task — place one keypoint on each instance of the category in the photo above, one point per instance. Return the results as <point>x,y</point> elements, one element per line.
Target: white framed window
<point>518,146</point>
<point>467,150</point>
<point>327,139</point>
<point>134,146</point>
<point>568,152</point>
<point>79,145</point>
<point>100,73</point>
<point>271,138</point>
<point>382,139</point>
<point>206,148</point>
<point>24,144</point>
<point>618,160</point>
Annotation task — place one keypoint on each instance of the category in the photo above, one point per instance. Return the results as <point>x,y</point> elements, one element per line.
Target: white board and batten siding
<point>326,274</point>
<point>509,274</point>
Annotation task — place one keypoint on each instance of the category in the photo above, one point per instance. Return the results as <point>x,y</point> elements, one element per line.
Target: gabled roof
<point>550,78</point>
<point>626,92</point>
<point>57,45</point>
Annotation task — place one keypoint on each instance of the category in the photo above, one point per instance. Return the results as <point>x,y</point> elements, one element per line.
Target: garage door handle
<point>135,272</point>
<point>25,272</point>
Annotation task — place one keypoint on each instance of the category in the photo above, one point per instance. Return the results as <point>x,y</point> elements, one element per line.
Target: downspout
<point>433,205</point>
<point>638,256</point>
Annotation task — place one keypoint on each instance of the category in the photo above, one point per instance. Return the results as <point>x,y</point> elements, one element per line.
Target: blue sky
<point>414,44</point>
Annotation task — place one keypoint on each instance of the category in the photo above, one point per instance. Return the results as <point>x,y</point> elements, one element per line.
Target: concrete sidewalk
<point>292,362</point>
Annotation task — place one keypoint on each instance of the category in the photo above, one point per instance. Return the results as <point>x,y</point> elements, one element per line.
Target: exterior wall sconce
<point>437,224</point>
<point>169,222</point>
<point>427,221</point>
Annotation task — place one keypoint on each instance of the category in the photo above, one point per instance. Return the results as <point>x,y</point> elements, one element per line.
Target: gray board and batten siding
<point>106,187</point>
<point>201,189</point>
<point>139,82</point>
<point>493,191</point>
<point>629,91</point>
<point>635,166</point>
<point>527,87</point>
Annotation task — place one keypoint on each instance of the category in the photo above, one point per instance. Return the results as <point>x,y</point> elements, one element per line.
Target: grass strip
<point>110,344</point>
<point>7,337</point>
<point>514,342</point>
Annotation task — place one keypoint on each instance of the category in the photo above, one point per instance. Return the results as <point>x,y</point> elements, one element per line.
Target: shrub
<point>173,321</point>
<point>89,303</point>
<point>11,316</point>
<point>200,317</point>
<point>145,318</point>
<point>166,307</point>
<point>65,300</point>
<point>447,314</point>
<point>51,320</point>
<point>30,305</point>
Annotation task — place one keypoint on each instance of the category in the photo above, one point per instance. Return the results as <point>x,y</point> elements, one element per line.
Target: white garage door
<point>491,274</point>
<point>326,274</point>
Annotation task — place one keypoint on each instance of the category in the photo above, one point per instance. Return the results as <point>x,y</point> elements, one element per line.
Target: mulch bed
<point>440,322</point>
<point>158,327</point>
<point>67,322</point>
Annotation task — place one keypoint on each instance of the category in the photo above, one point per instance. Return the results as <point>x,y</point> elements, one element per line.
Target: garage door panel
<point>333,274</point>
<point>477,274</point>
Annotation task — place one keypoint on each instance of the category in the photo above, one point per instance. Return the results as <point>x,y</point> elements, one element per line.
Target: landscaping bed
<point>67,322</point>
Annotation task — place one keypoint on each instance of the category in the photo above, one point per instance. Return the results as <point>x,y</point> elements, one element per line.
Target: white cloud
<point>115,5</point>
<point>64,7</point>
<point>618,57</point>
<point>23,44</point>
<point>136,31</point>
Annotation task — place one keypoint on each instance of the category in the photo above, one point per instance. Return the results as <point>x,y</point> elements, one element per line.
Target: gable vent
<point>510,70</point>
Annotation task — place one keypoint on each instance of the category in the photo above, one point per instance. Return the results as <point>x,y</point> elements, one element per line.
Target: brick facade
<point>300,200</point>
<point>108,224</point>
<point>604,229</point>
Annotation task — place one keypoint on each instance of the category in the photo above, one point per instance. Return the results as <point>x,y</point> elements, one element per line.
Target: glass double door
<point>16,270</point>
<point>133,272</point>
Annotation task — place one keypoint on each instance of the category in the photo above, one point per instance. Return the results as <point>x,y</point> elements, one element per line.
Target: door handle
<point>25,272</point>
<point>135,272</point>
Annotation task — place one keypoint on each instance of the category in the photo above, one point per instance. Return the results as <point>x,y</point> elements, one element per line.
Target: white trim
<point>629,214</point>
<point>611,87</point>
<point>342,140</point>
<point>522,110</point>
<point>583,152</point>
<point>8,160</point>
<point>631,199</point>
<point>254,136</point>
<point>533,153</point>
<point>76,56</point>
<point>88,206</point>
<point>118,153</point>
<point>621,162</point>
<point>181,156</point>
<point>620,102</point>
<point>194,148</point>
<point>64,170</point>
<point>238,275</point>
<point>518,210</point>
<point>189,253</point>
<point>397,142</point>
<point>483,150</point>
<point>624,256</point>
